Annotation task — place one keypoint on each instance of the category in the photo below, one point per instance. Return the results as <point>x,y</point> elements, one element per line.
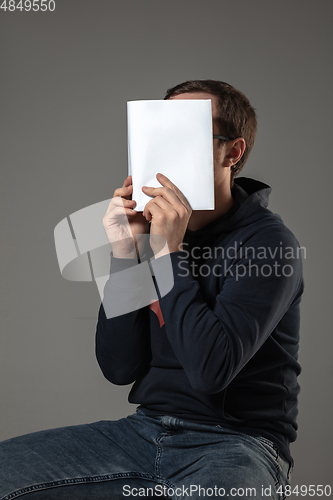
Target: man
<point>214,361</point>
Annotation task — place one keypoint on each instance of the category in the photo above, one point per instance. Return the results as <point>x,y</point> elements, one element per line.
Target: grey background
<point>65,80</point>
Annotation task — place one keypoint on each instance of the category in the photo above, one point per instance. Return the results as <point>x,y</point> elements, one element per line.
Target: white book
<point>175,138</point>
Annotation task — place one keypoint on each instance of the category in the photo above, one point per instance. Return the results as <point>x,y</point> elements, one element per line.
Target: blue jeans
<point>138,457</point>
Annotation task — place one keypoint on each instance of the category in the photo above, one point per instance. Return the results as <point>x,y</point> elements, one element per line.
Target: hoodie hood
<point>251,197</point>
<point>250,187</point>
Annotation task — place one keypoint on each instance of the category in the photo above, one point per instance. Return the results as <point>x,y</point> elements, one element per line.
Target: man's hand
<point>169,213</point>
<point>122,223</point>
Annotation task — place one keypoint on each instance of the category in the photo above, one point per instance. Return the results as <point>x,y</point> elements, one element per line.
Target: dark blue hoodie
<point>227,352</point>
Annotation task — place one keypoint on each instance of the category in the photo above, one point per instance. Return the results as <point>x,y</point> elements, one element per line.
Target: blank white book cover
<point>175,138</point>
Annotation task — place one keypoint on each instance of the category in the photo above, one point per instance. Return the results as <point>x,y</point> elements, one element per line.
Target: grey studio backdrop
<point>65,79</point>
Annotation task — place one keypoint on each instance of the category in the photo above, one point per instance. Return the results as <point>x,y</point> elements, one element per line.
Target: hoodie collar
<point>251,198</point>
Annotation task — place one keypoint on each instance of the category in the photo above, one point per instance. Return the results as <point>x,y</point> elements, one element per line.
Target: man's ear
<point>236,150</point>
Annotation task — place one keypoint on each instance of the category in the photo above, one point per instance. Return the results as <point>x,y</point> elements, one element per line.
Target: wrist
<point>167,250</point>
<point>124,251</point>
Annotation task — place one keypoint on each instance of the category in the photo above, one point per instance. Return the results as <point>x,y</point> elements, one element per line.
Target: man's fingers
<point>124,191</point>
<point>169,195</point>
<point>169,191</point>
<point>161,203</point>
<point>165,181</point>
<point>120,202</point>
<point>153,210</point>
<point>165,192</point>
<point>161,209</point>
<point>112,216</point>
<point>127,181</point>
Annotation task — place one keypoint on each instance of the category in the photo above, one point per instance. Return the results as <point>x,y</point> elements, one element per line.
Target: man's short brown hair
<point>237,118</point>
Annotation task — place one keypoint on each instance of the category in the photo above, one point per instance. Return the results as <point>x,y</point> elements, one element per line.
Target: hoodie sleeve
<point>122,333</point>
<point>256,289</point>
